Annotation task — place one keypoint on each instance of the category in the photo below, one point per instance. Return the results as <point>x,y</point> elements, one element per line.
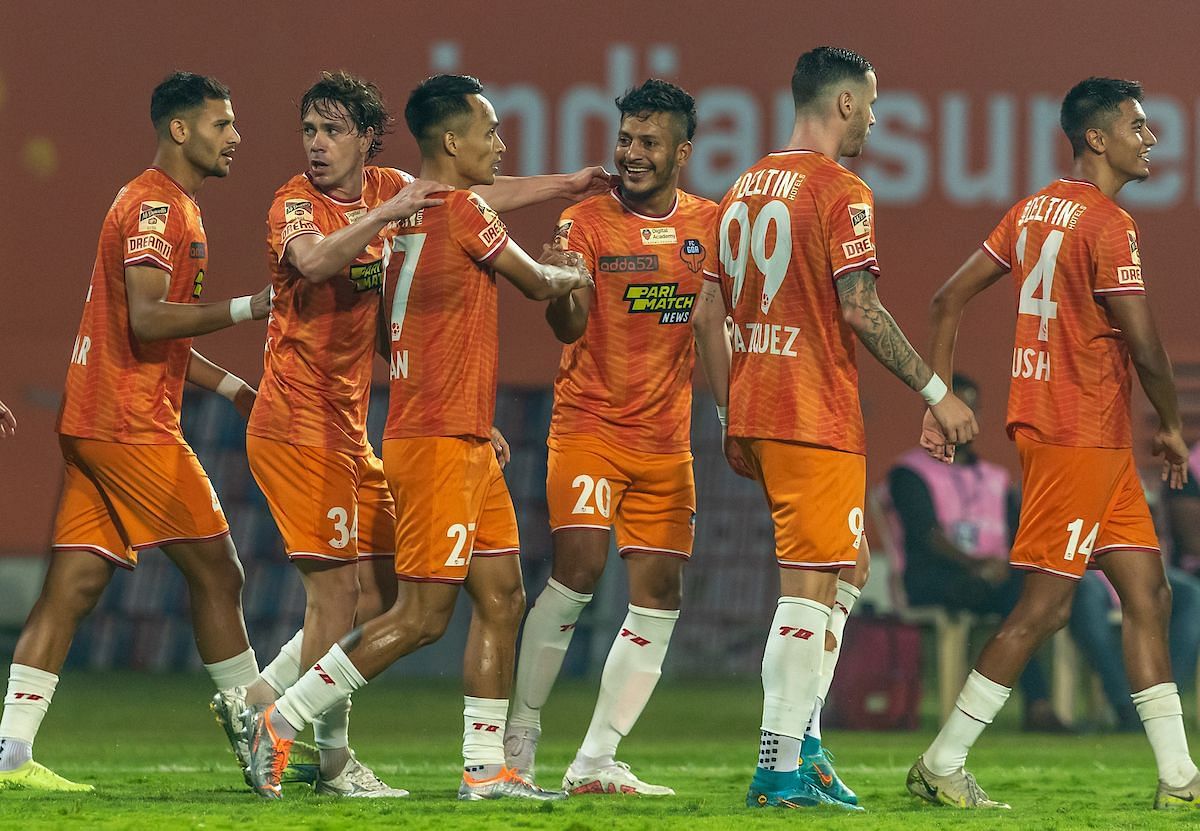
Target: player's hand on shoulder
<point>934,440</point>
<point>956,419</point>
<point>500,445</point>
<point>590,181</point>
<point>8,422</point>
<point>735,454</point>
<point>1170,445</point>
<point>260,303</point>
<point>415,196</point>
<point>244,400</point>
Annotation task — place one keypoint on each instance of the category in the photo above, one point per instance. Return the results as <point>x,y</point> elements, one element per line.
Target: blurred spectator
<point>955,528</point>
<point>1183,518</point>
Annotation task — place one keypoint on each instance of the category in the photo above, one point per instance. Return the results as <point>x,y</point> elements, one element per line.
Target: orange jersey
<point>628,379</point>
<point>118,388</point>
<point>440,301</point>
<point>1068,247</point>
<point>321,337</point>
<point>789,227</point>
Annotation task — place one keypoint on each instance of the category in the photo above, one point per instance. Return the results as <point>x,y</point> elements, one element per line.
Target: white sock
<point>791,675</point>
<point>631,672</point>
<point>544,641</point>
<point>30,691</point>
<point>847,594</point>
<point>331,679</point>
<point>285,669</point>
<point>1162,716</point>
<point>776,752</point>
<point>977,704</point>
<point>331,729</point>
<point>239,671</point>
<point>483,731</point>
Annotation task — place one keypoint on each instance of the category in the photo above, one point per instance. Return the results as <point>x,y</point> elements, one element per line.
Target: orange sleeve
<point>569,235</point>
<point>850,220</point>
<point>998,245</point>
<point>477,228</point>
<point>150,233</point>
<point>291,216</point>
<point>1118,260</point>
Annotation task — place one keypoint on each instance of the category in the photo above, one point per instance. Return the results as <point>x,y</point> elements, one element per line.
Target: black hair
<point>361,100</point>
<point>1093,103</point>
<point>180,92</point>
<point>826,65</point>
<point>435,101</point>
<point>657,96</point>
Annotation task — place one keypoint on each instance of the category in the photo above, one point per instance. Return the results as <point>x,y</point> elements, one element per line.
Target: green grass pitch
<point>157,760</point>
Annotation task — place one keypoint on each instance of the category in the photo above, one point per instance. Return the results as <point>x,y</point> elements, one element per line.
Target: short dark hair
<point>1093,103</point>
<point>180,92</point>
<point>435,101</point>
<point>359,97</point>
<point>816,70</point>
<point>658,96</point>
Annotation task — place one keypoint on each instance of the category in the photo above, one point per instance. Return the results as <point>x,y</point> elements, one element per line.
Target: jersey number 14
<point>1040,277</point>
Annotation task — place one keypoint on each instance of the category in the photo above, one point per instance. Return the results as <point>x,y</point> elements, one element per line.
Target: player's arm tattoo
<point>878,331</point>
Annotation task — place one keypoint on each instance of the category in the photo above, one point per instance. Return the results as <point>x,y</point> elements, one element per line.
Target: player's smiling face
<point>212,138</point>
<point>335,149</point>
<point>1128,142</point>
<point>649,155</point>
<point>478,148</point>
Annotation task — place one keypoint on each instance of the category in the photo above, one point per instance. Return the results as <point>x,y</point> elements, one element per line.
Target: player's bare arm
<point>878,331</point>
<point>716,355</point>
<point>8,422</point>
<point>536,280</point>
<point>152,317</point>
<point>508,193</point>
<point>1132,316</point>
<point>567,315</point>
<point>321,258</point>
<point>205,374</point>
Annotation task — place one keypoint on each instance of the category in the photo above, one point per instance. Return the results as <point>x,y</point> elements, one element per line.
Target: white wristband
<point>723,415</point>
<point>230,386</point>
<point>240,309</point>
<point>934,391</point>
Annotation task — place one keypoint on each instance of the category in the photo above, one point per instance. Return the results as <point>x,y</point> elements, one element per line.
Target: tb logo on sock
<point>27,697</point>
<point>486,728</point>
<point>636,638</point>
<point>795,632</point>
<point>324,675</point>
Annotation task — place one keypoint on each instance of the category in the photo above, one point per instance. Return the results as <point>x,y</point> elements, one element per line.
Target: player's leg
<point>1127,550</point>
<point>582,488</point>
<point>816,762</point>
<point>816,502</point>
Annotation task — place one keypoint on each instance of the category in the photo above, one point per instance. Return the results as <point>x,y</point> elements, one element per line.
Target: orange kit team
<point>309,426</point>
<point>455,523</point>
<point>131,481</point>
<point>1082,316</point>
<point>619,432</point>
<point>797,274</point>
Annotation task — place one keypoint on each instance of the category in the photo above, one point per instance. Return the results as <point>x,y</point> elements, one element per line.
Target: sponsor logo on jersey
<point>1130,275</point>
<point>628,263</point>
<point>692,254</point>
<point>860,218</point>
<point>658,236</point>
<point>152,217</point>
<point>1133,248</point>
<point>197,251</point>
<point>294,209</point>
<point>485,210</point>
<point>562,234</point>
<point>150,242</point>
<point>198,284</point>
<point>858,247</point>
<point>491,234</point>
<point>662,299</point>
<point>367,276</point>
<point>355,215</point>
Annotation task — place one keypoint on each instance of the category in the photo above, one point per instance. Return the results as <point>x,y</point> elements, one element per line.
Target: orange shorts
<point>649,497</point>
<point>120,498</point>
<point>1078,503</point>
<point>816,499</point>
<point>328,505</point>
<point>452,504</point>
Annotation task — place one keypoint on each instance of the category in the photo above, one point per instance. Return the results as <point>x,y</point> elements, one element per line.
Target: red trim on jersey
<point>1025,567</point>
<point>661,552</point>
<point>1121,547</point>
<point>1118,290</point>
<point>103,553</point>
<point>296,236</point>
<point>817,566</point>
<point>871,264</point>
<point>174,540</point>
<point>999,260</point>
<point>711,275</point>
<point>410,579</point>
<point>498,552</point>
<point>146,256</point>
<point>616,194</point>
<point>500,246</point>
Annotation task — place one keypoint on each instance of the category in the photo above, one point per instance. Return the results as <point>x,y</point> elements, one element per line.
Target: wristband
<point>723,415</point>
<point>934,391</point>
<point>240,309</point>
<point>230,386</point>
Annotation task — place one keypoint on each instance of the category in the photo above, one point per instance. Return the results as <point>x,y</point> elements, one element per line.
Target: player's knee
<point>578,574</point>
<point>77,598</point>
<point>503,607</point>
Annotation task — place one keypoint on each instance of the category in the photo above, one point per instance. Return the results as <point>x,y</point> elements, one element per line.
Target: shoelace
<point>363,777</point>
<point>973,790</point>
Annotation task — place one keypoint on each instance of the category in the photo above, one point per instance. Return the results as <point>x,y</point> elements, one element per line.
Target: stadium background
<point>967,124</point>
